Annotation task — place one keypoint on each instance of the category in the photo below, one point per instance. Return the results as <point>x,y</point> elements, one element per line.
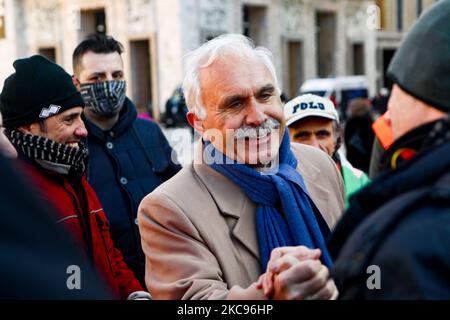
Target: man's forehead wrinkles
<point>267,86</point>
<point>245,92</point>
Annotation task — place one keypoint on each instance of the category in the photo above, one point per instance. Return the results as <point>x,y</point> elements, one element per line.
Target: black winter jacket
<point>398,227</point>
<point>125,164</point>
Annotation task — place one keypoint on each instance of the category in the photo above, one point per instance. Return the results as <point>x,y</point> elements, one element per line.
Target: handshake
<point>293,273</point>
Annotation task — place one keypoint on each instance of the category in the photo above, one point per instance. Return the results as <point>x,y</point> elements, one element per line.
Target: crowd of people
<point>276,204</point>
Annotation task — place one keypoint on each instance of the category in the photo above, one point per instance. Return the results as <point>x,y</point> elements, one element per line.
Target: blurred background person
<point>380,102</point>
<point>358,134</point>
<point>176,110</point>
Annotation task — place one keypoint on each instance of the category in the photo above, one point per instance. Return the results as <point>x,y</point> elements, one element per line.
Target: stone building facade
<point>396,18</point>
<point>308,38</point>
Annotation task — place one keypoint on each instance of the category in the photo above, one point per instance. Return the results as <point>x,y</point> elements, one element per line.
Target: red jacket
<point>80,212</point>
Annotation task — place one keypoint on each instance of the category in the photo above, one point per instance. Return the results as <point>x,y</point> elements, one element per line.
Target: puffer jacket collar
<point>127,116</point>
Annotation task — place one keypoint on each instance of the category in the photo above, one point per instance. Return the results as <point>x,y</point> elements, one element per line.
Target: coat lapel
<point>231,202</point>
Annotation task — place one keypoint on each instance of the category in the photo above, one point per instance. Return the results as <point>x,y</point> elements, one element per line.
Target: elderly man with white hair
<point>248,218</point>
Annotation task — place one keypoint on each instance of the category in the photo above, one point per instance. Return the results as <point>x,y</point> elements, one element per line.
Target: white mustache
<point>256,132</point>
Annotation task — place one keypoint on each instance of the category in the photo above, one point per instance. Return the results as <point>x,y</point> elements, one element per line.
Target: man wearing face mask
<point>129,157</point>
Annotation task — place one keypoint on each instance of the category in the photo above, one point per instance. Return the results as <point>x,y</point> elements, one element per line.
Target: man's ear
<point>28,128</point>
<point>195,122</point>
<point>76,83</point>
<point>35,128</point>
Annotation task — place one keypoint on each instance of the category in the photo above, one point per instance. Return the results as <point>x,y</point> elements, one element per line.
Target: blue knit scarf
<point>302,223</point>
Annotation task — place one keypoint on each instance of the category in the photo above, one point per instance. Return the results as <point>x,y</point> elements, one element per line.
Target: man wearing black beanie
<point>42,118</point>
<point>394,240</point>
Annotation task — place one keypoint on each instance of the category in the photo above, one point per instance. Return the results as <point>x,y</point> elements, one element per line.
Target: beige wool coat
<point>198,229</point>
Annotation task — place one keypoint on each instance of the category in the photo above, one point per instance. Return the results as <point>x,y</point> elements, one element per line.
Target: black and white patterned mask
<point>104,98</point>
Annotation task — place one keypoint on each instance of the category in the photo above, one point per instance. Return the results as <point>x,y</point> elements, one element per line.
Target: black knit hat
<point>421,66</point>
<point>37,90</point>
